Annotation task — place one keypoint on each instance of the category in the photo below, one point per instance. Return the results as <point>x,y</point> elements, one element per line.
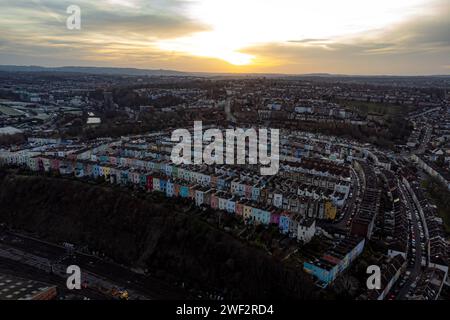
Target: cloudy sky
<point>277,36</point>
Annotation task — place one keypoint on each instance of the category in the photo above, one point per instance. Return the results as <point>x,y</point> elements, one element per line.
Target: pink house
<point>214,201</point>
<point>113,160</point>
<point>54,164</point>
<point>248,191</point>
<point>274,217</point>
<point>239,209</point>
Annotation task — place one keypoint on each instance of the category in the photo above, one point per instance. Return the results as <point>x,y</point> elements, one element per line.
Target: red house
<point>149,183</point>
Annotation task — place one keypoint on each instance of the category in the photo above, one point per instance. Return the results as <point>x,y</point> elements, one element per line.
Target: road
<point>416,268</point>
<point>425,140</point>
<point>229,114</point>
<point>42,256</point>
<point>350,207</point>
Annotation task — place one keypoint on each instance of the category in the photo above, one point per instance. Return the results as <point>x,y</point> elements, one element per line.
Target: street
<point>48,258</point>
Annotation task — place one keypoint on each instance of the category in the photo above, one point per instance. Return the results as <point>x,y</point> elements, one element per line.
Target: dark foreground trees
<point>142,231</point>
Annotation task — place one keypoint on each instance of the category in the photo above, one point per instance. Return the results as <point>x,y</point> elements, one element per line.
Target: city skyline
<point>294,37</point>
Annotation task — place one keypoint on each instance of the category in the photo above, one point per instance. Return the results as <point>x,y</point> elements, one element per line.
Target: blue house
<point>124,176</point>
<point>169,189</point>
<point>324,271</point>
<point>231,206</point>
<point>184,192</point>
<point>255,194</point>
<point>265,217</point>
<point>285,221</point>
<point>95,171</point>
<point>168,170</point>
<point>220,183</point>
<point>142,180</point>
<point>104,159</point>
<point>163,185</point>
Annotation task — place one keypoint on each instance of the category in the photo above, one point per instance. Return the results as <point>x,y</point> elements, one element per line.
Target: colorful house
<point>222,203</point>
<point>199,197</point>
<point>275,217</point>
<point>88,170</point>
<point>231,205</point>
<point>156,184</point>
<point>176,189</point>
<point>54,164</point>
<point>277,200</point>
<point>46,164</point>
<point>142,180</point>
<point>162,184</point>
<point>248,191</point>
<point>239,208</point>
<point>220,183</point>
<point>214,201</point>
<point>260,216</point>
<point>247,212</point>
<point>330,210</point>
<point>106,172</point>
<point>255,193</point>
<point>124,176</point>
<point>285,221</point>
<point>113,161</point>
<point>79,170</point>
<point>184,191</point>
<point>213,181</point>
<point>174,172</point>
<point>95,171</point>
<point>33,164</point>
<point>170,189</point>
<point>149,183</point>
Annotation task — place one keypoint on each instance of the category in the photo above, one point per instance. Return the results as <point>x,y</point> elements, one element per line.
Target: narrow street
<point>414,234</point>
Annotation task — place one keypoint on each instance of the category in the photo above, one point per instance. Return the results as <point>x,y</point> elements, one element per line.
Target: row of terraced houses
<point>251,197</point>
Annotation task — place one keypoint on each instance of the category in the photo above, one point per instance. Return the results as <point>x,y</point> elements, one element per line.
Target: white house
<point>306,230</point>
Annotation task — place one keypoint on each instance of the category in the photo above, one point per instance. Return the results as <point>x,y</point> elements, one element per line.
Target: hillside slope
<point>141,231</point>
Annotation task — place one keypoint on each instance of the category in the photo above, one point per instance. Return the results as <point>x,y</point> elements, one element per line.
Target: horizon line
<point>316,74</point>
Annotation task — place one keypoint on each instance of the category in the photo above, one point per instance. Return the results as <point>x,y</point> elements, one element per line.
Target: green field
<point>10,111</point>
<point>364,108</point>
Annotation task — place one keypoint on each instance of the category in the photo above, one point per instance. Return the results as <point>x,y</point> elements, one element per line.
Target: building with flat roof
<point>15,288</point>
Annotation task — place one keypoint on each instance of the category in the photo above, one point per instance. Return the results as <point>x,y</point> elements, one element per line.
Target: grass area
<point>364,108</point>
<point>10,111</point>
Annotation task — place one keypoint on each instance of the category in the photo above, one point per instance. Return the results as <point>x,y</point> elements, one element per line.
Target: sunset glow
<point>237,25</point>
<point>275,36</point>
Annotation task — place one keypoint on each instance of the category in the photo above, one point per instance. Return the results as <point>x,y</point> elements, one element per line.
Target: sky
<point>395,37</point>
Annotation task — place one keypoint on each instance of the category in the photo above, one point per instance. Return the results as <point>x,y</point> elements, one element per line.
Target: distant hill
<point>129,71</point>
<point>95,70</point>
<point>175,73</point>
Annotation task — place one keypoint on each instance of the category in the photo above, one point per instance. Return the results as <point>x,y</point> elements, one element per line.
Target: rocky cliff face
<point>146,231</point>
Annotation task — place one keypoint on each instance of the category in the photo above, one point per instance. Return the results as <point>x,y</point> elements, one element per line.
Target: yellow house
<point>106,172</point>
<point>330,210</point>
<point>247,212</point>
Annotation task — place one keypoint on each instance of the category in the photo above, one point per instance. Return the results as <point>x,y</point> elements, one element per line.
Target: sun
<point>210,45</point>
<point>235,26</point>
<point>236,58</point>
